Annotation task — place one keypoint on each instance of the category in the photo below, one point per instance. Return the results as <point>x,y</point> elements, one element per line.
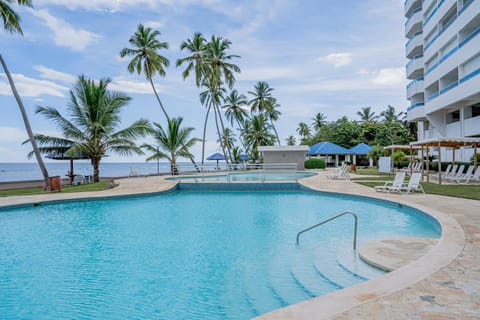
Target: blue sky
<point>333,57</point>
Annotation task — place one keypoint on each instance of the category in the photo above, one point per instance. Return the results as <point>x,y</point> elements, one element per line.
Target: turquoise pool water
<point>187,254</point>
<point>247,177</point>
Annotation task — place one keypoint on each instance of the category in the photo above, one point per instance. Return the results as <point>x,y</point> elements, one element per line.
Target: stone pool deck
<point>443,284</point>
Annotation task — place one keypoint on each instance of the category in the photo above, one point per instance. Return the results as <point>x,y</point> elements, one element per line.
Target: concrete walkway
<point>443,284</point>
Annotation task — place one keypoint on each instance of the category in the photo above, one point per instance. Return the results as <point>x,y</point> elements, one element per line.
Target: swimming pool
<point>187,254</point>
<point>247,176</point>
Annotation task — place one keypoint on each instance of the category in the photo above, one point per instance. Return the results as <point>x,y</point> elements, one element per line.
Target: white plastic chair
<point>396,183</point>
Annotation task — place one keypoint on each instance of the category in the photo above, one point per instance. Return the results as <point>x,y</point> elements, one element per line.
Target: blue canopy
<point>326,148</point>
<point>361,149</point>
<point>244,157</point>
<point>216,156</point>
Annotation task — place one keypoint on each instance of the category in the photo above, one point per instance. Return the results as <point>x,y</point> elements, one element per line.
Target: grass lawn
<point>102,185</point>
<point>450,190</point>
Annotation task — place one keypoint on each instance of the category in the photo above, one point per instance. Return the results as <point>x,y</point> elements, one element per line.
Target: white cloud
<point>52,74</point>
<point>389,77</point>
<point>338,59</point>
<point>266,73</point>
<point>30,87</point>
<point>154,24</point>
<point>10,134</point>
<point>131,86</point>
<point>65,34</point>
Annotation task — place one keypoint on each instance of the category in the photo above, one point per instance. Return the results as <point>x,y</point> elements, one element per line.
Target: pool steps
<point>296,277</point>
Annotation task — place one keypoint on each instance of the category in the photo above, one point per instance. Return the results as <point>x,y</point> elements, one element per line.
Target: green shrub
<point>478,158</point>
<point>315,164</point>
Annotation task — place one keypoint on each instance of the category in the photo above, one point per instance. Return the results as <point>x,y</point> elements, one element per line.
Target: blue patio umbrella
<point>216,156</point>
<point>244,157</point>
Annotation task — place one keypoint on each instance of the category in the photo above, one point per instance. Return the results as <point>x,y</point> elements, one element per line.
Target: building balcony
<point>472,126</point>
<point>414,23</point>
<point>414,46</point>
<point>416,112</point>
<point>415,87</point>
<point>454,129</point>
<point>411,5</point>
<point>414,68</point>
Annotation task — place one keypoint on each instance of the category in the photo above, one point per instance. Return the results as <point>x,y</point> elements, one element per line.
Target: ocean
<point>26,171</point>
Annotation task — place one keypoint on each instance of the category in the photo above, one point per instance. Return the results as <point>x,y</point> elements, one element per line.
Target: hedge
<point>315,164</point>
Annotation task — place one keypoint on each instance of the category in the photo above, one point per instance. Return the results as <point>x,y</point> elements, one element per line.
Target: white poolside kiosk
<point>287,155</point>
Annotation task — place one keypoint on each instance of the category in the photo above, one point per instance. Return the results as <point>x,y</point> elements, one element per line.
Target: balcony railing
<point>415,105</point>
<point>414,82</point>
<point>470,75</point>
<point>454,84</point>
<point>449,87</point>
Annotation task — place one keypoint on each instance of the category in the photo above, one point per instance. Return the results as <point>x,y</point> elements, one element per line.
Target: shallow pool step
<point>325,262</point>
<point>350,261</point>
<point>305,274</point>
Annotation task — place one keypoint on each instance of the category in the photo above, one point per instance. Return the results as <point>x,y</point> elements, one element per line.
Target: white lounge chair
<point>469,175</point>
<point>410,164</point>
<point>452,172</point>
<point>340,173</point>
<point>78,179</point>
<point>412,185</point>
<point>458,174</point>
<point>397,182</point>
<point>444,173</point>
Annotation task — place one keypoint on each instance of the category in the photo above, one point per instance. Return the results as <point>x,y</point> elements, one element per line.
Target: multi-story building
<point>443,49</point>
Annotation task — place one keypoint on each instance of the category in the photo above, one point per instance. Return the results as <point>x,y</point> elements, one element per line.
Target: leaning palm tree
<point>273,114</point>
<point>304,130</point>
<point>11,23</point>
<point>262,92</point>
<point>94,118</point>
<point>228,138</point>
<point>318,121</point>
<point>146,58</point>
<point>172,143</point>
<point>366,115</point>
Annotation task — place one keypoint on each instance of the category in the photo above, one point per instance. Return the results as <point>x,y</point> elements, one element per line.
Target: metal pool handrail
<point>333,218</point>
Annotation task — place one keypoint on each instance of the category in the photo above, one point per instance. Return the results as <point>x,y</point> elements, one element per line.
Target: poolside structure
<point>284,155</point>
<point>452,143</point>
<point>443,49</point>
<point>327,149</point>
<point>216,156</point>
<point>361,149</point>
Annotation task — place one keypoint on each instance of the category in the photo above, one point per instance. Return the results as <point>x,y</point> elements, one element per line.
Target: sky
<point>333,57</point>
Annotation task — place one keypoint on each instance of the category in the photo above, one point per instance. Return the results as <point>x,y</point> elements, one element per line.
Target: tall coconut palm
<point>272,113</point>
<point>228,138</point>
<point>304,130</point>
<point>366,115</point>
<point>234,111</point>
<point>11,23</point>
<point>94,118</point>
<point>218,70</point>
<point>318,121</point>
<point>146,58</point>
<point>174,142</point>
<point>291,141</point>
<point>262,93</point>
<point>196,48</point>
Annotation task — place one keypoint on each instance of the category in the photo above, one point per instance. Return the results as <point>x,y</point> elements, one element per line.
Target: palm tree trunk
<point>275,130</point>
<point>240,136</point>
<point>205,133</point>
<point>220,138</point>
<point>96,169</point>
<point>27,126</point>
<point>158,99</point>
<point>223,130</point>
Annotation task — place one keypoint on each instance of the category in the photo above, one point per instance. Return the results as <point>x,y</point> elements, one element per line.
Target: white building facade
<point>443,49</point>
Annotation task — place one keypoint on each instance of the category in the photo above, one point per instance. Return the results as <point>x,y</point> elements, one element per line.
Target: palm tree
<point>261,94</point>
<point>304,130</point>
<point>318,121</point>
<point>366,115</point>
<point>172,143</point>
<point>11,23</point>
<point>236,152</point>
<point>234,111</point>
<point>218,70</point>
<point>94,116</point>
<point>390,115</point>
<point>196,47</point>
<point>146,58</point>
<point>258,134</point>
<point>273,114</point>
<point>228,138</point>
<point>291,141</point>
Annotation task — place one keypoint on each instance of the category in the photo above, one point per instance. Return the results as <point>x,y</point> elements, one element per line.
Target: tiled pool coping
<point>360,301</point>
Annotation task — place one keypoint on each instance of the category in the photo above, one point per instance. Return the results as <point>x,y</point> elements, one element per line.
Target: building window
<point>476,110</point>
<point>453,116</point>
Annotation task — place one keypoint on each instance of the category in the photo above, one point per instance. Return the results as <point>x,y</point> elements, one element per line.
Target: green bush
<point>478,158</point>
<point>315,164</point>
